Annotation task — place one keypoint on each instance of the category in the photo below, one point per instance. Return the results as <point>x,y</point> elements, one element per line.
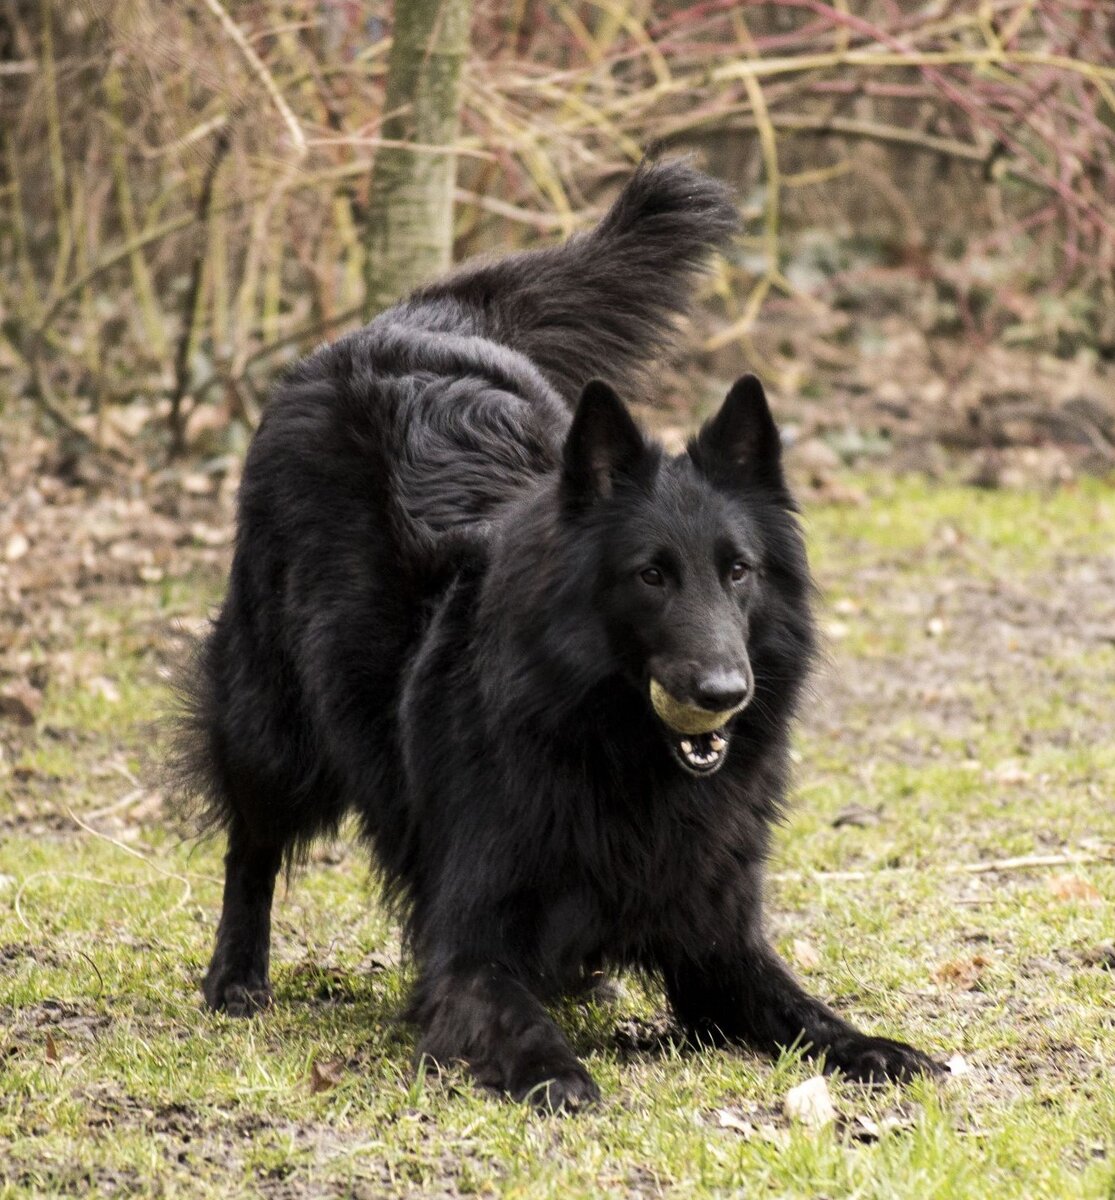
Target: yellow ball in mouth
<point>686,718</point>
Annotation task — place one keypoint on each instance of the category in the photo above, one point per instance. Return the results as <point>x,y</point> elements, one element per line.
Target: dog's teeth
<point>716,742</point>
<point>687,747</point>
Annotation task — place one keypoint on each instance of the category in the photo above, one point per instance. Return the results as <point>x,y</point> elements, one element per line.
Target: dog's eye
<point>740,570</point>
<point>652,577</point>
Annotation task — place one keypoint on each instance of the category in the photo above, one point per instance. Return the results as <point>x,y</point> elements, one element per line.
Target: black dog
<point>552,668</point>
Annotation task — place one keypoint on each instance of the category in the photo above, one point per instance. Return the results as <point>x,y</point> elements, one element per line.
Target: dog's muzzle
<point>700,740</point>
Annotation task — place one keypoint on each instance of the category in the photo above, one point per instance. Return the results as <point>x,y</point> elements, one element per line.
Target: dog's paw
<point>877,1060</point>
<point>237,999</point>
<point>566,1089</point>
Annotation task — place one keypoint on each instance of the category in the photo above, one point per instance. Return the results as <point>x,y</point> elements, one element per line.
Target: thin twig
<point>96,971</point>
<point>125,801</point>
<point>834,125</point>
<point>190,306</point>
<point>262,74</point>
<point>1025,862</point>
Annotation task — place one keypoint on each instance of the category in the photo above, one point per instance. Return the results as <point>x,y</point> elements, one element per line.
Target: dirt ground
<point>948,866</point>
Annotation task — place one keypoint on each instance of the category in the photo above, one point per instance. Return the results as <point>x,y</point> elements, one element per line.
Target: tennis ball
<point>686,718</point>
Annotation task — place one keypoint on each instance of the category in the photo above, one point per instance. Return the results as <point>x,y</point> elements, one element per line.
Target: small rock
<point>810,1103</point>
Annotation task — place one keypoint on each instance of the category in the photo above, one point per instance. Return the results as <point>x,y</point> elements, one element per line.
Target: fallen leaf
<point>52,1055</point>
<point>772,1133</point>
<point>1011,774</point>
<point>209,535</point>
<point>1095,956</point>
<point>958,1065</point>
<point>673,437</point>
<point>815,456</point>
<point>805,954</point>
<point>20,702</point>
<point>727,1119</point>
<point>197,484</point>
<point>105,689</point>
<point>864,1129</point>
<point>1072,887</point>
<point>858,815</point>
<point>962,973</point>
<point>325,1075</point>
<point>810,1103</point>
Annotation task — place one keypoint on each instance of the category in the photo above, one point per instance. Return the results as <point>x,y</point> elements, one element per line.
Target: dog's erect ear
<point>740,446</point>
<point>604,446</point>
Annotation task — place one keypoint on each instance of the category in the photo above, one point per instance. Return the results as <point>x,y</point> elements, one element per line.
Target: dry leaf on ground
<point>325,1075</point>
<point>1072,887</point>
<point>727,1119</point>
<point>20,702</point>
<point>961,973</point>
<point>858,815</point>
<point>805,954</point>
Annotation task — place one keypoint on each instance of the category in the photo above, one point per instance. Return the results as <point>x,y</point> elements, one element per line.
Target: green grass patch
<point>962,718</point>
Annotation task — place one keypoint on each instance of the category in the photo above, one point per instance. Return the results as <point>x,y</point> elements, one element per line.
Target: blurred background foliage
<point>184,195</point>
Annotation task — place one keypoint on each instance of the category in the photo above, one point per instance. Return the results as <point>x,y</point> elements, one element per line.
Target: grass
<point>965,708</point>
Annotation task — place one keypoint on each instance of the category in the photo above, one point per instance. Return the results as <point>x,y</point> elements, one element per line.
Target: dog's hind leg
<point>483,1016</point>
<point>237,981</point>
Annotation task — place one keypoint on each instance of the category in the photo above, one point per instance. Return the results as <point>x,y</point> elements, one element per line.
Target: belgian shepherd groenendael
<point>551,667</point>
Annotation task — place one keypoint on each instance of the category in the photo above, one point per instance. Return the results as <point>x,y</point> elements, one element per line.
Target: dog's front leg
<point>751,997</point>
<point>484,1017</point>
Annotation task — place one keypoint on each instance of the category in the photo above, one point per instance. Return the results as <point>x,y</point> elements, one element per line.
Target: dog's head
<point>700,573</point>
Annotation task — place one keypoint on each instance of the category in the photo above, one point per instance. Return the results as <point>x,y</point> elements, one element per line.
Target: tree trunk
<point>410,214</point>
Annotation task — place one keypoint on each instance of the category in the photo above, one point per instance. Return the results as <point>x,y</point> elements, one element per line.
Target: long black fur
<point>458,564</point>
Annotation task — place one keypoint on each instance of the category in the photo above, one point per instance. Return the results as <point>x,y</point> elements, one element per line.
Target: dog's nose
<point>722,690</point>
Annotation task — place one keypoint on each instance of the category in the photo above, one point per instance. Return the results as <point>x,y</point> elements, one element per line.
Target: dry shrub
<point>182,187</point>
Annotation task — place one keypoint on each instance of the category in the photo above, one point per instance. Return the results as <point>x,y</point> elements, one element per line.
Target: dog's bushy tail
<point>603,304</point>
<point>189,778</point>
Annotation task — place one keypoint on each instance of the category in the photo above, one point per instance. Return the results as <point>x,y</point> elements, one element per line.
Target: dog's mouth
<point>700,753</point>
<point>697,737</point>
